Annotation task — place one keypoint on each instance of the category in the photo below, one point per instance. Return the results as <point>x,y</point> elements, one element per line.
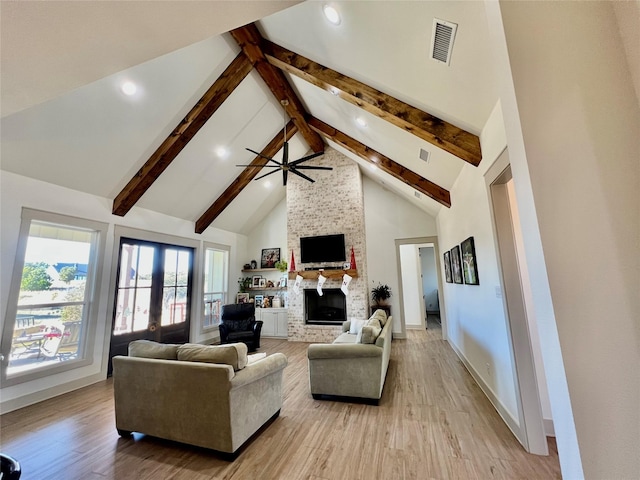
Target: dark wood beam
<point>250,40</point>
<point>182,134</point>
<point>444,135</point>
<point>393,168</point>
<point>248,174</point>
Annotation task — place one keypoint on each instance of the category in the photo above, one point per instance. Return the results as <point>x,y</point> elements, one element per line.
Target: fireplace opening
<point>328,309</point>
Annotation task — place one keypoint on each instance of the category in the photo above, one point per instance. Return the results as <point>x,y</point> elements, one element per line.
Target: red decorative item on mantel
<point>353,260</point>
<point>292,267</point>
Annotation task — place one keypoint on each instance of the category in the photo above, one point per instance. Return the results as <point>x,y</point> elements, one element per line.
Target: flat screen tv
<point>324,248</point>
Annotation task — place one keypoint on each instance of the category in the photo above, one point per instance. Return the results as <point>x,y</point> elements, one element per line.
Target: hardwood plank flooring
<point>433,422</point>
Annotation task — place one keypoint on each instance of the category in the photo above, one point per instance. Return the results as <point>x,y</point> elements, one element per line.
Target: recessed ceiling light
<point>373,167</point>
<point>267,184</point>
<point>361,121</point>
<point>332,14</point>
<point>129,88</point>
<point>222,152</point>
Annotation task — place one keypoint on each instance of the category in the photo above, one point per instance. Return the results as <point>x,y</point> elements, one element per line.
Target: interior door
<point>153,293</point>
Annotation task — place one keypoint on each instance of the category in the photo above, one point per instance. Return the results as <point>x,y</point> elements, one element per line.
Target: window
<point>51,308</point>
<point>216,273</point>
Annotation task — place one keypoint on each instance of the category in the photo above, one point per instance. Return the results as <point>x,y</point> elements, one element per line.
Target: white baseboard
<point>511,422</point>
<point>549,429</point>
<point>35,397</point>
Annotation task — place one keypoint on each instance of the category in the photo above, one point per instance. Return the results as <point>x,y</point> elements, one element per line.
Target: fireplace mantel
<point>314,274</point>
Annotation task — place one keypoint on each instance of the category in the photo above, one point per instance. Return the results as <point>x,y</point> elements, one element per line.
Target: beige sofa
<point>210,396</point>
<point>353,365</point>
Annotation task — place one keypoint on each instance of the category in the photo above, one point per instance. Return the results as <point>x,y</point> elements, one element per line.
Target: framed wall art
<point>469,263</point>
<point>242,298</point>
<point>447,267</point>
<point>456,266</point>
<point>269,257</point>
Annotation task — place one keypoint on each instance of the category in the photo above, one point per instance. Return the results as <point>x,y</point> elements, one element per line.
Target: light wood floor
<point>433,422</point>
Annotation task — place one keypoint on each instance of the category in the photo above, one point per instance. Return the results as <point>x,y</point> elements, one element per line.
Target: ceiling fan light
<point>331,13</point>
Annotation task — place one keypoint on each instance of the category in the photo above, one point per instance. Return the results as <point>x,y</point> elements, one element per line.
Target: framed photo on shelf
<point>262,283</point>
<point>255,281</point>
<point>269,257</point>
<point>258,300</point>
<point>469,265</point>
<point>283,281</point>
<point>242,298</point>
<point>447,267</point>
<point>456,267</point>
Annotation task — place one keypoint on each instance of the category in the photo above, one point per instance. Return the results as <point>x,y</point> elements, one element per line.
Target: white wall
<point>387,218</point>
<point>429,278</point>
<point>476,321</point>
<point>579,118</point>
<point>17,192</point>
<point>411,286</point>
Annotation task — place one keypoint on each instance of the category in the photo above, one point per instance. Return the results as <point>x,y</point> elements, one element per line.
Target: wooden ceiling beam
<point>434,130</point>
<point>248,174</point>
<point>387,165</point>
<point>250,40</point>
<point>182,134</point>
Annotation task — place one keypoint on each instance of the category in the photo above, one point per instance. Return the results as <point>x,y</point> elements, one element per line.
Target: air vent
<point>424,155</point>
<point>442,38</point>
<point>417,194</point>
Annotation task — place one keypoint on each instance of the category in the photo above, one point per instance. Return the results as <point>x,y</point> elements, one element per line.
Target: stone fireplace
<point>333,204</point>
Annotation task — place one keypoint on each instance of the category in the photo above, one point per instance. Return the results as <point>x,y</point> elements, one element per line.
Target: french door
<point>153,294</point>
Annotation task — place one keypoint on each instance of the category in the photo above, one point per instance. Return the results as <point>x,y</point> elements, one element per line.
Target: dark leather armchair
<point>238,324</point>
<point>9,468</point>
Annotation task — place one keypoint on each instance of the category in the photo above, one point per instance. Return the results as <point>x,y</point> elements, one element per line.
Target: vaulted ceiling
<point>172,147</point>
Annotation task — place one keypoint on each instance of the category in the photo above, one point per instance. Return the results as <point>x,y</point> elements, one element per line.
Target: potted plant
<point>244,284</point>
<point>380,294</point>
<point>282,265</point>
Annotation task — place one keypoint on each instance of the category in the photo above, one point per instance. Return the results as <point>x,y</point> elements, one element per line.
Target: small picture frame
<point>262,283</point>
<point>447,267</point>
<point>255,281</point>
<point>456,264</point>
<point>269,257</point>
<point>258,300</point>
<point>283,281</point>
<point>242,298</point>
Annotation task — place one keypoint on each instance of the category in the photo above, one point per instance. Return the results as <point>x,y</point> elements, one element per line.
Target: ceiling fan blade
<point>311,167</point>
<point>264,156</point>
<point>308,157</point>
<point>285,173</point>
<point>259,166</point>
<point>293,170</point>
<point>267,174</point>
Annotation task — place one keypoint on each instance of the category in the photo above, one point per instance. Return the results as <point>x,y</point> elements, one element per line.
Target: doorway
<point>528,372</point>
<point>415,302</point>
<point>152,295</point>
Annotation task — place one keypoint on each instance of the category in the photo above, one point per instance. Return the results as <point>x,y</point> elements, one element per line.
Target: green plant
<point>380,292</point>
<point>244,283</point>
<point>282,265</point>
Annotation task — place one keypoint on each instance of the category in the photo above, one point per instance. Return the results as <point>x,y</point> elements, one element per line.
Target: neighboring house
<point>567,81</point>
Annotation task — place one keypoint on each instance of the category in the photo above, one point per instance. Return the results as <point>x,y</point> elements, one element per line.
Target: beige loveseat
<point>353,365</point>
<point>210,396</point>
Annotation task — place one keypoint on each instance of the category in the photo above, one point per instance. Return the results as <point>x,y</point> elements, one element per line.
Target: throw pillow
<point>370,333</point>
<point>234,354</point>
<point>374,322</point>
<point>381,315</point>
<point>149,349</point>
<point>356,325</point>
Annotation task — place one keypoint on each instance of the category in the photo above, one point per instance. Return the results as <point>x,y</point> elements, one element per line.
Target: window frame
<point>92,295</point>
<point>222,248</point>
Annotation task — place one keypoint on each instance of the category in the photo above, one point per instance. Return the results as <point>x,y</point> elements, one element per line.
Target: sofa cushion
<point>374,322</point>
<point>234,354</point>
<point>345,337</point>
<point>356,325</point>
<point>149,349</point>
<point>370,333</point>
<point>381,315</point>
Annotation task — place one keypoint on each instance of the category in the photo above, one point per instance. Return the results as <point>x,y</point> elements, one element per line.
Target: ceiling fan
<point>286,166</point>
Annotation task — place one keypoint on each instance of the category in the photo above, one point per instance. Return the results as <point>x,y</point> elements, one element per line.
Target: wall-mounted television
<point>324,248</point>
